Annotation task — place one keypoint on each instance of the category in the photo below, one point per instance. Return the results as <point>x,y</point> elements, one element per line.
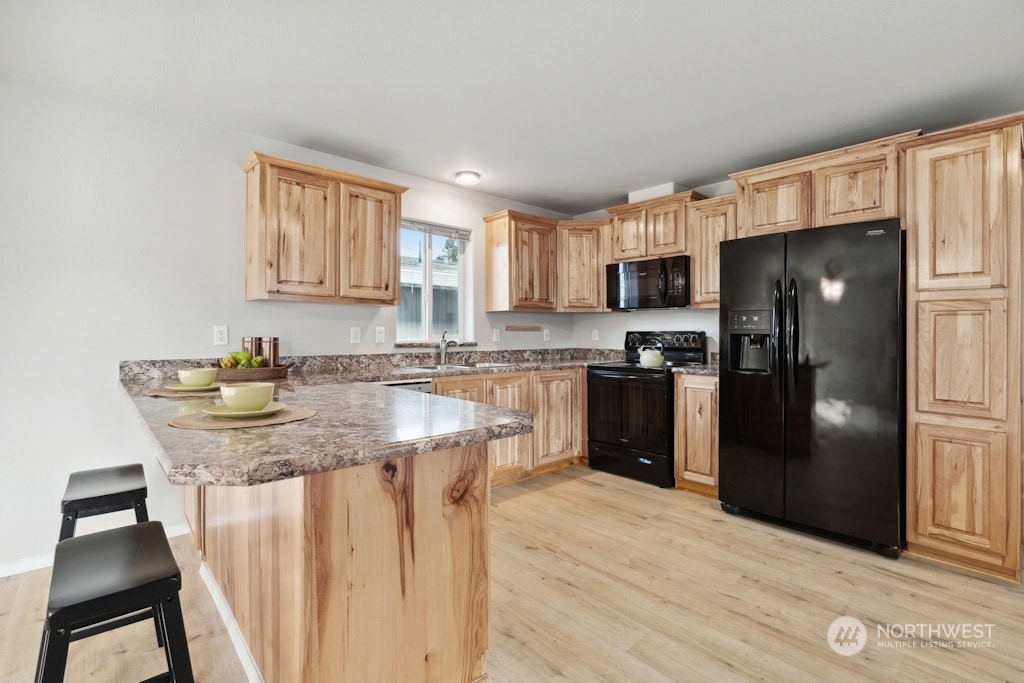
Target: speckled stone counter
<point>355,424</point>
<point>709,370</point>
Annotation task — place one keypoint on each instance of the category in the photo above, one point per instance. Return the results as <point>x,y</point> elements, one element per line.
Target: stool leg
<point>53,655</point>
<point>176,651</point>
<point>67,525</point>
<point>141,512</point>
<point>158,624</point>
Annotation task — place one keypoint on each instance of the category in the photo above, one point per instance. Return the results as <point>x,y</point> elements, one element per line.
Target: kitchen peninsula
<point>351,546</point>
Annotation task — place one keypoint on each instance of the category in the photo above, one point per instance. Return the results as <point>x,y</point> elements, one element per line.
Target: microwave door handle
<point>662,283</point>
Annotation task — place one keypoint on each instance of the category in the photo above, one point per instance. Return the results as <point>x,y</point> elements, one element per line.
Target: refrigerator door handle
<point>776,357</point>
<point>792,332</point>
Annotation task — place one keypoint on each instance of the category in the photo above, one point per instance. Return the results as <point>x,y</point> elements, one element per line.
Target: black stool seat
<point>99,578</point>
<point>96,492</point>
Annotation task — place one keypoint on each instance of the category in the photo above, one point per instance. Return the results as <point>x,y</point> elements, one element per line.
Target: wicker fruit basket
<point>252,374</point>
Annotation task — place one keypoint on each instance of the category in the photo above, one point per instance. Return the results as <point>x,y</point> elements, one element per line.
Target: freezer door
<point>843,429</point>
<point>751,427</point>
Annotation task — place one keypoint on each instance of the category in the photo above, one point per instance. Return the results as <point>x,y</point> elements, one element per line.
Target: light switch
<point>355,335</point>
<point>547,334</point>
<point>593,335</point>
<point>379,335</point>
<point>496,334</point>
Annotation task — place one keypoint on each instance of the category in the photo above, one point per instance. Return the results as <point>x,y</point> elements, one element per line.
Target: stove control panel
<point>696,341</point>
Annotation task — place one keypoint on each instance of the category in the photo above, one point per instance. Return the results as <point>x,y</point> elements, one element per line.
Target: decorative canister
<point>263,346</point>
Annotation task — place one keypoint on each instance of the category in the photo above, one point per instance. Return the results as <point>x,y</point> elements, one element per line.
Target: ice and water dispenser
<point>750,341</point>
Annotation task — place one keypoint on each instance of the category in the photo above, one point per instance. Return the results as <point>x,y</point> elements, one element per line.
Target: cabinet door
<point>302,225</point>
<point>465,388</point>
<point>509,457</point>
<point>369,239</point>
<point>629,235</point>
<point>855,192</point>
<point>534,267</point>
<point>709,223</point>
<point>961,492</point>
<point>961,357</point>
<point>666,233</point>
<point>557,420</point>
<point>696,449</point>
<point>958,204</point>
<point>776,205</point>
<point>194,498</point>
<point>581,268</point>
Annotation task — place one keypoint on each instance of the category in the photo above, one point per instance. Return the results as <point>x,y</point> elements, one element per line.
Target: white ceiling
<point>563,104</point>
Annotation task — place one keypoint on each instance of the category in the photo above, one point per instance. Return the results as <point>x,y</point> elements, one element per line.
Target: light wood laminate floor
<point>599,578</point>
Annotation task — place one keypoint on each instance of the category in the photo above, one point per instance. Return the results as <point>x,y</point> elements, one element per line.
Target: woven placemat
<point>167,393</point>
<point>201,420</point>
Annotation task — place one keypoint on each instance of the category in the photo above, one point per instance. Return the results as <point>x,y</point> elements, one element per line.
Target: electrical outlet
<point>547,334</point>
<point>355,335</point>
<point>496,334</point>
<point>593,335</point>
<point>378,335</point>
<point>220,335</point>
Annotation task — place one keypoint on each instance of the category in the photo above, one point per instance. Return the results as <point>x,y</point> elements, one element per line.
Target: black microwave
<point>654,283</point>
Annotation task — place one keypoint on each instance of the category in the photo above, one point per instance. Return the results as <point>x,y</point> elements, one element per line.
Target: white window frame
<point>430,230</point>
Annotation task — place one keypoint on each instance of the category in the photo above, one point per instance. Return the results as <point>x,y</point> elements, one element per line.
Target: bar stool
<point>101,577</point>
<point>99,491</point>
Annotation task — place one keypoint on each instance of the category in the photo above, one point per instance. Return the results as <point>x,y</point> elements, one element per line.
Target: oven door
<point>630,410</point>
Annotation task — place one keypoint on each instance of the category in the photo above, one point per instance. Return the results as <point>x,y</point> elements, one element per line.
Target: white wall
<point>122,238</point>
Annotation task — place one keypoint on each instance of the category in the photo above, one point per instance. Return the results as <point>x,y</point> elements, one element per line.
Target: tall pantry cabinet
<point>963,212</point>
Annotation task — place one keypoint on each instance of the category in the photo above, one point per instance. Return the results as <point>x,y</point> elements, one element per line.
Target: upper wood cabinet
<point>581,265</point>
<point>709,222</point>
<point>848,185</point>
<point>656,227</point>
<point>958,195</point>
<point>964,219</point>
<point>521,263</point>
<point>314,234</point>
<point>696,425</point>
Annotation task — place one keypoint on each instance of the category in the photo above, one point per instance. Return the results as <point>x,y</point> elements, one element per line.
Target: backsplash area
<point>375,366</point>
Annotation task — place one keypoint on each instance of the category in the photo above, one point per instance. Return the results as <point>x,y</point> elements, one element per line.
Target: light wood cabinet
<point>194,499</point>
<point>710,221</point>
<point>656,227</point>
<point>696,432</point>
<point>557,409</point>
<point>963,219</point>
<point>581,265</point>
<point>555,399</point>
<point>512,457</point>
<point>848,185</point>
<point>521,263</point>
<point>315,234</point>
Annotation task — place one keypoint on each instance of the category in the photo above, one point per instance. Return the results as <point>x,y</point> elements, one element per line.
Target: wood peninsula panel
<point>961,358</point>
<point>380,572</point>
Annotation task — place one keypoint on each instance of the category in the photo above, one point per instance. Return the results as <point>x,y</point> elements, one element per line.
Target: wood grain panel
<point>959,207</point>
<point>709,221</point>
<point>961,357</point>
<point>666,229</point>
<point>369,244</point>
<point>696,424</point>
<point>557,425</point>
<point>853,192</point>
<point>629,235</point>
<point>378,572</point>
<point>963,491</point>
<point>581,265</point>
<point>509,457</point>
<point>534,274</point>
<point>776,205</point>
<point>301,233</point>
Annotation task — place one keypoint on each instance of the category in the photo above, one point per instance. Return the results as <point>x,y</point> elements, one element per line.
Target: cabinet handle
<point>646,461</point>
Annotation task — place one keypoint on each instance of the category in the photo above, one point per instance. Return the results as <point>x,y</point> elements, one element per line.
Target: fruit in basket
<point>227,362</point>
<point>259,362</point>
<point>240,356</point>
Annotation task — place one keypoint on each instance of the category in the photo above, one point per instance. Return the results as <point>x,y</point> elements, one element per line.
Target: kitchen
<point>106,262</point>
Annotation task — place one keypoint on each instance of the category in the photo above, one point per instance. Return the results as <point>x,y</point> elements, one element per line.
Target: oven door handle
<point>620,375</point>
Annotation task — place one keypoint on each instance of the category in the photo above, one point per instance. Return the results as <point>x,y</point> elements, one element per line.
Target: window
<point>432,280</point>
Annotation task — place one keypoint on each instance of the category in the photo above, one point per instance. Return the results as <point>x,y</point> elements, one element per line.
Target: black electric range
<point>630,407</point>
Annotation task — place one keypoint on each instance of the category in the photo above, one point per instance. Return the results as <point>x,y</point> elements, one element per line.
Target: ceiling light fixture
<point>467,177</point>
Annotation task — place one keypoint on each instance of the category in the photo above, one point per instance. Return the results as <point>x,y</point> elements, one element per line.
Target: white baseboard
<point>252,671</point>
<point>30,564</point>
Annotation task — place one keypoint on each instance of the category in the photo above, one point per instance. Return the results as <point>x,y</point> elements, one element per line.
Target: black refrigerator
<point>811,381</point>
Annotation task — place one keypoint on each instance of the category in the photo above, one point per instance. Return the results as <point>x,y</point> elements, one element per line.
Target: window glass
<point>432,282</point>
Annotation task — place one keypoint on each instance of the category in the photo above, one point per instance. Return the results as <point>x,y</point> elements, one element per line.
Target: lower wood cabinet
<point>555,399</point>
<point>696,425</point>
<point>194,498</point>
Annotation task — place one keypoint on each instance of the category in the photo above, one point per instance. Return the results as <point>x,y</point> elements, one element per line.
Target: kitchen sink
<point>485,365</point>
<point>447,366</point>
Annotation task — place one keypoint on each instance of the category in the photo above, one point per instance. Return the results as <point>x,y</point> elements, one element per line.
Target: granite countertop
<point>355,424</point>
<point>709,370</point>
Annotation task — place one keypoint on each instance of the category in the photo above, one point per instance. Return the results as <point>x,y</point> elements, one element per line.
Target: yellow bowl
<point>247,395</point>
<point>197,377</point>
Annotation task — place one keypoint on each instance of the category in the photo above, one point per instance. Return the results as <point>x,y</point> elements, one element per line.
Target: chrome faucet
<point>445,344</point>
